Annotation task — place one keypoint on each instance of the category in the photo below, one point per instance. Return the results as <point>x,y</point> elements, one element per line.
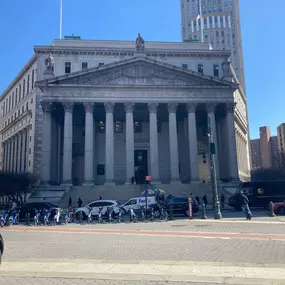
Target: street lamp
<point>212,150</point>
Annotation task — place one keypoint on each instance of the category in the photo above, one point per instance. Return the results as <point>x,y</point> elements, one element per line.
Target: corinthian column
<point>130,164</point>
<point>153,143</point>
<point>211,107</point>
<point>19,152</point>
<point>192,132</point>
<point>67,144</point>
<point>89,142</point>
<point>173,143</point>
<point>46,145</point>
<point>109,143</point>
<point>233,164</point>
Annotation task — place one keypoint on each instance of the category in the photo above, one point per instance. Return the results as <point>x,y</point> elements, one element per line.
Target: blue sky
<point>24,24</point>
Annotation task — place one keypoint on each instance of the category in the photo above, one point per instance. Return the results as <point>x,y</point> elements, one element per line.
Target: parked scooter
<point>37,217</point>
<point>14,218</point>
<point>4,220</point>
<point>47,215</point>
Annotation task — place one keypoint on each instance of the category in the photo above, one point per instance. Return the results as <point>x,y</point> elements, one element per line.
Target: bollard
<point>272,214</point>
<point>204,216</point>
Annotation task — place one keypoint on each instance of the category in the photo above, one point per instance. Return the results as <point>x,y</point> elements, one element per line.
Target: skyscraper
<point>216,22</point>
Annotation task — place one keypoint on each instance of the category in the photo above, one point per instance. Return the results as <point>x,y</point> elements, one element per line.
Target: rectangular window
<point>6,111</point>
<point>67,67</point>
<point>19,112</point>
<point>24,86</point>
<point>33,78</point>
<point>100,63</point>
<point>201,68</point>
<point>15,115</point>
<point>216,70</point>
<point>20,89</point>
<point>13,100</point>
<point>23,109</point>
<point>27,106</point>
<point>138,127</point>
<point>30,151</point>
<point>9,103</point>
<point>84,65</point>
<point>28,84</point>
<point>184,65</point>
<point>119,127</point>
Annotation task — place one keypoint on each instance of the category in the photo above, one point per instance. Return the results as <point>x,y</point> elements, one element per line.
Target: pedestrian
<point>244,206</point>
<point>223,200</point>
<point>100,198</point>
<point>198,199</point>
<point>70,202</point>
<point>133,180</point>
<point>205,200</point>
<point>79,202</point>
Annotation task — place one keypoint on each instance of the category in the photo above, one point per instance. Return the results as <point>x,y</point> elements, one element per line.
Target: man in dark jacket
<point>244,206</point>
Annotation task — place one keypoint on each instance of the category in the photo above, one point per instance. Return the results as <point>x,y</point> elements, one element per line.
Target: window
<point>15,115</point>
<point>33,78</point>
<point>138,127</point>
<point>23,109</point>
<point>216,70</point>
<point>19,113</point>
<point>27,106</point>
<point>84,65</point>
<point>4,105</point>
<point>30,151</point>
<point>67,67</point>
<point>100,63</point>
<point>119,127</point>
<point>20,92</point>
<point>28,84</point>
<point>184,65</point>
<point>24,84</point>
<point>200,68</point>
<point>13,100</point>
<point>9,103</point>
<point>101,127</point>
<point>131,202</point>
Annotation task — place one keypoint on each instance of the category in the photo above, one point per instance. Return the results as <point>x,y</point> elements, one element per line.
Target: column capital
<point>191,107</point>
<point>129,107</point>
<point>46,106</point>
<point>109,107</point>
<point>152,107</point>
<point>172,107</point>
<point>89,107</point>
<point>211,107</point>
<point>68,106</point>
<point>230,107</point>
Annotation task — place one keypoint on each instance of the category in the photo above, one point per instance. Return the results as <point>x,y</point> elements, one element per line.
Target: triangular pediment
<point>137,72</point>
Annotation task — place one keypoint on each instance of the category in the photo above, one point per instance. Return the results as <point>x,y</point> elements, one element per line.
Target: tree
<point>15,186</point>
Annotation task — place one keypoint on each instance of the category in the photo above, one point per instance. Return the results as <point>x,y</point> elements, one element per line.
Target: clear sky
<point>25,23</point>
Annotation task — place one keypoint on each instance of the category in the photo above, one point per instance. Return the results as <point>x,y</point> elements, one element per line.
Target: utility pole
<point>212,150</point>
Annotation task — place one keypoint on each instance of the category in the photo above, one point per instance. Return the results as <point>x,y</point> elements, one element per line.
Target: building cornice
<point>109,51</point>
<point>31,61</point>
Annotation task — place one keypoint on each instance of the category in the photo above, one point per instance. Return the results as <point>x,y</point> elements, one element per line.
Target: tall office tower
<point>216,22</point>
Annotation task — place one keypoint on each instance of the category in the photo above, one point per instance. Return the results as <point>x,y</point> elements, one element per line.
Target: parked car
<point>30,208</point>
<point>180,205</point>
<point>95,205</point>
<point>279,208</point>
<point>138,202</point>
<point>1,247</point>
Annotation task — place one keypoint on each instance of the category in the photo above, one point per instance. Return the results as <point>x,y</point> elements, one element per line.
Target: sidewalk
<point>222,273</point>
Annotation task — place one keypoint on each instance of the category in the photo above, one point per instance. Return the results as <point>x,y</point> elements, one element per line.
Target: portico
<point>95,120</point>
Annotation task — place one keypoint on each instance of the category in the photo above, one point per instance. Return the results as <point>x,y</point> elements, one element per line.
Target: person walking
<point>70,201</point>
<point>79,202</point>
<point>244,206</point>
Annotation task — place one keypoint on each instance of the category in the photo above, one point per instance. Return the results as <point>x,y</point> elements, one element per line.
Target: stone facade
<point>104,110</point>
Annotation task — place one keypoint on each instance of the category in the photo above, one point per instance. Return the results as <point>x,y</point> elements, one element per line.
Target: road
<point>176,252</point>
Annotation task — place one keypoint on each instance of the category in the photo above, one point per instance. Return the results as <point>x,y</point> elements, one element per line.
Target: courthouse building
<point>84,112</point>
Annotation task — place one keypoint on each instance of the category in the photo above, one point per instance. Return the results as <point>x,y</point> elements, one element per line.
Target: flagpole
<point>202,22</point>
<point>60,21</point>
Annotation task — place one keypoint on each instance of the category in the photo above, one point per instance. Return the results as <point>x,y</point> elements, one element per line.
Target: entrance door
<point>141,165</point>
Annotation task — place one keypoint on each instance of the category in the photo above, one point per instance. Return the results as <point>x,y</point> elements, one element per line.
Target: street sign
<point>148,178</point>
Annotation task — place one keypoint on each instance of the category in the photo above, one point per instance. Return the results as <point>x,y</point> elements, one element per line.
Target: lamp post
<point>212,149</point>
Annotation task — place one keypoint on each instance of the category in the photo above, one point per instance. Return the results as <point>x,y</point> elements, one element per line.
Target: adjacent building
<point>84,112</point>
<point>217,23</point>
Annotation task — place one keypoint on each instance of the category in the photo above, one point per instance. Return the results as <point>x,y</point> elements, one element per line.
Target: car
<point>30,208</point>
<point>1,247</point>
<point>180,205</point>
<point>138,202</point>
<point>95,205</point>
<point>279,208</point>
